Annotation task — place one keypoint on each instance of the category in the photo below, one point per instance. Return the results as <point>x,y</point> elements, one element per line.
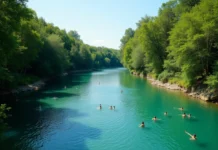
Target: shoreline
<point>39,84</point>
<point>199,92</point>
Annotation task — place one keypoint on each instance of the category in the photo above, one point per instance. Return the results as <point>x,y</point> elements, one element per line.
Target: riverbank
<point>41,83</point>
<point>199,92</point>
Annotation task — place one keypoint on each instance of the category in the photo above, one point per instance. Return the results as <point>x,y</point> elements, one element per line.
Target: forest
<point>31,48</point>
<point>179,45</point>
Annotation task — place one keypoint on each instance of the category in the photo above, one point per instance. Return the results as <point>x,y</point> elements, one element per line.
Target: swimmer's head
<point>155,117</point>
<point>143,122</point>
<point>195,135</point>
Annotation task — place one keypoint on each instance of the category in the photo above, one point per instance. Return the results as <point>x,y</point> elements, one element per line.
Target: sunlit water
<point>67,118</point>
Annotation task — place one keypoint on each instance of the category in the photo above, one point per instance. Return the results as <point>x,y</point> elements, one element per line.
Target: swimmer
<point>193,137</point>
<point>184,115</point>
<point>155,118</point>
<point>189,115</point>
<point>181,108</point>
<point>100,107</point>
<point>142,125</point>
<point>111,107</point>
<point>114,107</point>
<point>166,113</point>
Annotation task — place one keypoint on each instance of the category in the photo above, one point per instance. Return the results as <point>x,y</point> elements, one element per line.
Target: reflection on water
<point>64,116</point>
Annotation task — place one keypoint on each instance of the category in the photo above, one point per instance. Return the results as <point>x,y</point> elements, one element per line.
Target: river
<point>65,116</point>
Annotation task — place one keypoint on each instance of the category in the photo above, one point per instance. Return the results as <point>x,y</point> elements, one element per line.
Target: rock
<point>141,75</point>
<point>202,92</point>
<point>204,97</point>
<point>214,96</point>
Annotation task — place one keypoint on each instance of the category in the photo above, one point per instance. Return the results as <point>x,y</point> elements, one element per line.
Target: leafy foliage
<point>31,48</point>
<point>3,115</point>
<point>179,45</point>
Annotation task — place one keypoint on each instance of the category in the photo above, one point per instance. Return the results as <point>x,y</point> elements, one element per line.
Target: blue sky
<point>99,22</point>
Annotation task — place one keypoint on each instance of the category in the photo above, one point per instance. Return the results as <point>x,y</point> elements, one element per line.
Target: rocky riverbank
<point>200,92</point>
<point>39,84</point>
<point>30,87</point>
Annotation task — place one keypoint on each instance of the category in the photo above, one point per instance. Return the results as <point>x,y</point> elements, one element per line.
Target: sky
<point>98,22</point>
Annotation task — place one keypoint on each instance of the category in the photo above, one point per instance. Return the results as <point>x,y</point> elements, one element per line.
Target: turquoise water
<point>68,118</point>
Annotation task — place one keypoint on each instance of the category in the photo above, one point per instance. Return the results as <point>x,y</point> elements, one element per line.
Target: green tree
<point>3,115</point>
<point>53,58</point>
<point>74,34</point>
<point>86,58</point>
<point>192,41</point>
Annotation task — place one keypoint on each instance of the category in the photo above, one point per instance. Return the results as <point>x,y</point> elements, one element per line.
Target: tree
<point>129,33</point>
<point>74,34</point>
<point>53,58</point>
<point>31,48</point>
<point>3,115</point>
<point>9,39</point>
<point>86,58</point>
<point>192,41</point>
<point>138,58</point>
<point>107,62</point>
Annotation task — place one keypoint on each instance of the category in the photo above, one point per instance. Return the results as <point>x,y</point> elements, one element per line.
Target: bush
<point>165,75</point>
<point>212,81</point>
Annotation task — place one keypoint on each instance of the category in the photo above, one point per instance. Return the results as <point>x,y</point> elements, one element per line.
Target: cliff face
<point>200,92</point>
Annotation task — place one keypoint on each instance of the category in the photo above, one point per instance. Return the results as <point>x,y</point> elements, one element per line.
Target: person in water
<point>193,137</point>
<point>142,124</point>
<point>165,113</point>
<point>100,106</point>
<point>189,115</point>
<point>155,118</point>
<point>184,115</point>
<point>181,108</point>
<point>114,107</point>
<point>111,107</point>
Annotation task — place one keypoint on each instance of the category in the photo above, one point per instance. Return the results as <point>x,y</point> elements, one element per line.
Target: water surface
<point>65,116</point>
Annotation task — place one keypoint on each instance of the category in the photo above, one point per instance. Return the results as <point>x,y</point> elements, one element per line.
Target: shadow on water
<point>53,128</point>
<point>202,145</point>
<point>72,80</point>
<point>147,128</point>
<point>192,119</point>
<point>36,125</point>
<point>159,122</point>
<point>42,95</point>
<point>69,81</point>
<point>169,116</point>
